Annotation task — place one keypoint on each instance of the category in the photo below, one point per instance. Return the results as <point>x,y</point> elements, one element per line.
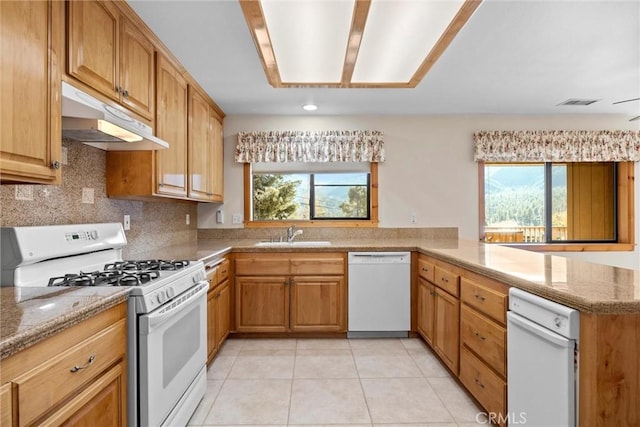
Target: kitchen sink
<point>295,243</point>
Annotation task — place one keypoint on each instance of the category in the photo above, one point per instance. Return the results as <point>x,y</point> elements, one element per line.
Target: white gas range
<point>166,332</point>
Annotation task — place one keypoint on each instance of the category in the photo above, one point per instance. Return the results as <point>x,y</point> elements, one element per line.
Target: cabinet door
<point>6,405</point>
<point>211,322</point>
<point>200,150</point>
<point>426,309</point>
<point>223,313</point>
<point>93,37</point>
<point>262,304</point>
<point>317,303</point>
<point>171,125</point>
<point>102,403</point>
<point>447,328</point>
<point>137,70</point>
<point>30,136</point>
<point>217,157</point>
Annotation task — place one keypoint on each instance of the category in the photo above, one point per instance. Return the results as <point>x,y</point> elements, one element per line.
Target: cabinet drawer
<point>485,337</point>
<point>223,271</point>
<point>488,301</point>
<point>426,270</point>
<point>487,387</point>
<point>447,280</point>
<point>317,264</point>
<point>260,264</point>
<point>49,383</point>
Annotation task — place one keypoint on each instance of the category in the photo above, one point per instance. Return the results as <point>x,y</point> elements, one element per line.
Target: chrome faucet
<point>291,234</point>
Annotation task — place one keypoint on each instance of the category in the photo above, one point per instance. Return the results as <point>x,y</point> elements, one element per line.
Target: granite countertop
<point>29,315</point>
<point>588,287</point>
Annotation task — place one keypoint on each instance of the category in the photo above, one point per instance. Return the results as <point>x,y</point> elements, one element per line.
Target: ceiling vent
<point>573,101</point>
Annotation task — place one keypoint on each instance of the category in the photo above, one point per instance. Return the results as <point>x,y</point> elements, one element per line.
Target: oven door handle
<point>182,302</point>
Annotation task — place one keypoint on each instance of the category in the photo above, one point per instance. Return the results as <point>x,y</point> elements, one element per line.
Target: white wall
<point>429,167</point>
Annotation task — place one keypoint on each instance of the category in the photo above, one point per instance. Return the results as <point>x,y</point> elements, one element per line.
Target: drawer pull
<point>76,368</point>
<point>445,280</point>
<point>425,269</point>
<point>480,297</point>
<point>432,293</point>
<point>478,383</point>
<point>477,334</point>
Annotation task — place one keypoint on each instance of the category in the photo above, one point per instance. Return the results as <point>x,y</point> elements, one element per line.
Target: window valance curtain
<point>308,146</point>
<point>557,146</point>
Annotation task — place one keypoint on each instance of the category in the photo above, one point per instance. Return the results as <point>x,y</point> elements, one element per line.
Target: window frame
<point>355,223</point>
<point>624,211</point>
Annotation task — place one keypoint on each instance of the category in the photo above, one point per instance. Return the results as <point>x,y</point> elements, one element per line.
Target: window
<point>550,203</point>
<point>330,194</point>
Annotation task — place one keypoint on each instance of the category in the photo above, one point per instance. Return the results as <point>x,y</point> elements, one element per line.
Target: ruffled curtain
<point>557,146</point>
<point>307,146</point>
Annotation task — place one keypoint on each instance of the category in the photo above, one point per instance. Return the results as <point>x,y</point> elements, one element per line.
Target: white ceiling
<point>512,57</point>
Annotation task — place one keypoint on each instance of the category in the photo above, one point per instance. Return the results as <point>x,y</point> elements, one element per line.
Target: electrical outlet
<point>236,218</point>
<point>187,219</point>
<point>127,222</point>
<point>24,192</point>
<point>219,216</point>
<point>87,195</point>
<point>414,218</point>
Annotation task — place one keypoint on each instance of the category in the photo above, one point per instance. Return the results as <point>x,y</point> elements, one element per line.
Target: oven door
<point>172,343</point>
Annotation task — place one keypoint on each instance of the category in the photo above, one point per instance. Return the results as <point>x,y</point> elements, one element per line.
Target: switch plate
<point>236,218</point>
<point>187,219</point>
<point>414,218</point>
<point>219,216</point>
<point>87,195</point>
<point>127,222</point>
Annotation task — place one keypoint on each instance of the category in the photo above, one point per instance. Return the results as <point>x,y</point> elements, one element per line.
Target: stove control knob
<point>162,297</point>
<point>171,293</point>
<point>194,279</point>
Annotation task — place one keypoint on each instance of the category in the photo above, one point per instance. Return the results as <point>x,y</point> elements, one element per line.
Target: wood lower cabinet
<point>218,308</point>
<point>438,317</point>
<point>446,328</point>
<point>6,405</point>
<point>289,292</point>
<point>77,377</point>
<point>107,52</point>
<point>31,43</point>
<point>316,303</point>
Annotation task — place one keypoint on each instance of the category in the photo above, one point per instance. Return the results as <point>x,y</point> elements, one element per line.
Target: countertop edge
<point>40,332</point>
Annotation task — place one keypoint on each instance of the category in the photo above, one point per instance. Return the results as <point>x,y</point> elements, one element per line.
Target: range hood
<point>88,120</point>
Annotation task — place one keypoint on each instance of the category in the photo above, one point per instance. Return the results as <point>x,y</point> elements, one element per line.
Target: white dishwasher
<point>542,355</point>
<point>379,294</point>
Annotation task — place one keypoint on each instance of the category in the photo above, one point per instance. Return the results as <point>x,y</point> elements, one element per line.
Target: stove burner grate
<point>147,265</point>
<point>105,278</point>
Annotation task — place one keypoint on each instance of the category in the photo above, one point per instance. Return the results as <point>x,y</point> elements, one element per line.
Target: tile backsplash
<point>153,224</point>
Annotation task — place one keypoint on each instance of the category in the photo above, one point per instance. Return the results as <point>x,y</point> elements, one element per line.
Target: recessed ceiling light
<point>310,107</point>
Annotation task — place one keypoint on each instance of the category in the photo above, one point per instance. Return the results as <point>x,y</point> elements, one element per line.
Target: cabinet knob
<point>126,93</point>
<point>55,164</point>
<point>119,89</point>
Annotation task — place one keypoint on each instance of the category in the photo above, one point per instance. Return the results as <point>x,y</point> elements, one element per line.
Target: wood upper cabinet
<point>171,125</point>
<point>205,149</point>
<point>317,303</point>
<point>48,390</point>
<point>290,292</point>
<point>31,42</point>
<point>108,53</point>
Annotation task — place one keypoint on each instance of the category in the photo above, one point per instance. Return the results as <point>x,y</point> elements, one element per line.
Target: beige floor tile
<point>387,367</point>
<point>269,344</point>
<point>251,402</point>
<point>418,425</point>
<point>231,347</point>
<point>259,365</point>
<point>213,388</point>
<point>219,369</point>
<point>403,400</point>
<point>455,399</point>
<point>429,364</point>
<point>327,401</point>
<point>329,343</point>
<point>330,425</point>
<point>327,363</point>
<point>414,343</point>
<point>375,347</point>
